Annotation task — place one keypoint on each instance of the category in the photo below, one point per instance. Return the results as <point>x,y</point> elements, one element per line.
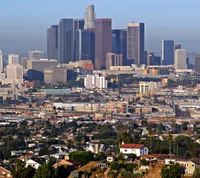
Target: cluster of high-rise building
<point>94,39</point>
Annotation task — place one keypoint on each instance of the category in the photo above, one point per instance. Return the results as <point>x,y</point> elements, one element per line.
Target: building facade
<point>52,42</point>
<point>147,87</point>
<point>82,45</point>
<point>15,73</point>
<point>1,62</point>
<point>40,65</point>
<point>95,81</point>
<point>197,64</point>
<point>36,54</point>
<point>113,59</point>
<point>135,43</point>
<point>55,75</point>
<point>120,43</point>
<point>180,59</point>
<point>103,41</point>
<point>13,59</point>
<point>89,17</point>
<point>65,41</point>
<point>167,52</point>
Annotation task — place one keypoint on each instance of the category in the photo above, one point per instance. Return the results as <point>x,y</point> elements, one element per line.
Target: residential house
<point>5,173</point>
<point>137,149</point>
<point>32,163</point>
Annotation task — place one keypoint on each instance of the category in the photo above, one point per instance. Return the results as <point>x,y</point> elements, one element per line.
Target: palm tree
<point>150,134</point>
<point>170,139</point>
<point>123,137</point>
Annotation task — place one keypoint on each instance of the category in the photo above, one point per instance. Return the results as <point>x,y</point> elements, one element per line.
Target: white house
<point>32,163</point>
<point>137,149</point>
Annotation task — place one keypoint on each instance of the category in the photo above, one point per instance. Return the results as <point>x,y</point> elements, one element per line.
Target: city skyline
<point>159,26</point>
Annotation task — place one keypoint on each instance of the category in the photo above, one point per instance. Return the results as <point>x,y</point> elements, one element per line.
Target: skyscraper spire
<point>90,17</point>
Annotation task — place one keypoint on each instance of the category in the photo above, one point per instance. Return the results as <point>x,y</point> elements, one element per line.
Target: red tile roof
<point>132,146</point>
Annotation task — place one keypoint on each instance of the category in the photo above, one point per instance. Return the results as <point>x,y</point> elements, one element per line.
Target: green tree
<point>170,139</point>
<point>150,134</point>
<point>171,171</point>
<point>196,173</point>
<point>82,156</point>
<point>123,137</point>
<point>115,165</point>
<point>143,162</point>
<point>46,171</point>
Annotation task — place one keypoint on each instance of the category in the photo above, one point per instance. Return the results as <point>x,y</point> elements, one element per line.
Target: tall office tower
<point>90,17</point>
<point>92,44</point>
<point>177,46</point>
<point>36,54</point>
<point>157,60</point>
<point>167,52</point>
<point>103,41</point>
<point>197,64</point>
<point>15,73</point>
<point>113,59</point>
<point>13,59</point>
<point>82,45</point>
<point>65,40</point>
<point>1,62</point>
<point>52,42</point>
<point>180,59</point>
<point>95,81</point>
<point>119,43</point>
<point>135,43</point>
<point>78,24</point>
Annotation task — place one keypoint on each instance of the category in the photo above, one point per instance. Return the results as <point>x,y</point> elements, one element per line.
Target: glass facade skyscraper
<point>119,43</point>
<point>82,45</point>
<point>167,52</point>
<point>52,42</point>
<point>135,43</point>
<point>103,41</point>
<point>65,40</point>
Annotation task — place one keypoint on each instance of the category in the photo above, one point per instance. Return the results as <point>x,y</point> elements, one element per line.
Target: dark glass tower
<point>65,40</point>
<point>103,41</point>
<point>167,52</point>
<point>52,42</point>
<point>120,43</point>
<point>82,45</point>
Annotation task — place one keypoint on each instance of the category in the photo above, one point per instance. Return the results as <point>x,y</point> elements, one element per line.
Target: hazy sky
<point>23,23</point>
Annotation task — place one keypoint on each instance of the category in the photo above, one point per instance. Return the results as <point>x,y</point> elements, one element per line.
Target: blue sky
<point>23,23</point>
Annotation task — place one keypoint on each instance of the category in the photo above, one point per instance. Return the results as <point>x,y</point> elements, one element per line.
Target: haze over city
<point>24,23</point>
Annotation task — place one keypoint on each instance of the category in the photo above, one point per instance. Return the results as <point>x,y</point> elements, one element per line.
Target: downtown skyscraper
<point>52,42</point>
<point>1,62</point>
<point>167,52</point>
<point>103,41</point>
<point>65,40</point>
<point>90,17</point>
<point>119,43</point>
<point>135,43</point>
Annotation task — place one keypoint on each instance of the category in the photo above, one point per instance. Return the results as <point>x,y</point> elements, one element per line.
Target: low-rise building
<point>137,149</point>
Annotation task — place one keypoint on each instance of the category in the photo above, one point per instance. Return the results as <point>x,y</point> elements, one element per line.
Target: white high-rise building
<point>90,17</point>
<point>1,62</point>
<point>36,54</point>
<point>180,59</point>
<point>95,81</point>
<point>15,73</point>
<point>13,59</point>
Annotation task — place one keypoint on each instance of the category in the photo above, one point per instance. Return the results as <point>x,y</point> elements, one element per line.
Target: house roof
<point>132,146</point>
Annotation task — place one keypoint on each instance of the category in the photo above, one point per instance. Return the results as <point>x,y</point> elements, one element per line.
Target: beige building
<point>119,107</point>
<point>15,73</point>
<point>54,75</point>
<point>113,59</point>
<point>147,87</point>
<point>41,64</point>
<point>180,59</point>
<point>13,59</point>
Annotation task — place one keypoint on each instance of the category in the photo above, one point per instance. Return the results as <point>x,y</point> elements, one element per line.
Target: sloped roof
<point>132,146</point>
